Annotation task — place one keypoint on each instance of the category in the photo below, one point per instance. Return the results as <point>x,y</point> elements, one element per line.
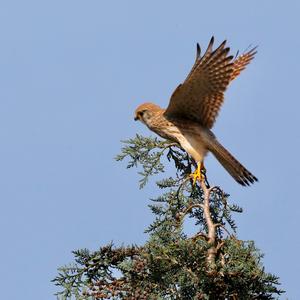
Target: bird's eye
<point>141,113</point>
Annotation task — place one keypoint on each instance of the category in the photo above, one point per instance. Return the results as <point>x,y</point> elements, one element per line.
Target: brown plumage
<point>194,106</point>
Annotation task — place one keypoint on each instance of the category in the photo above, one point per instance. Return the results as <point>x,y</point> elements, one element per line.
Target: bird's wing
<point>240,63</point>
<point>201,95</point>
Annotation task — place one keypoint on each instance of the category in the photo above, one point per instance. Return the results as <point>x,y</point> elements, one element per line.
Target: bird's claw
<point>199,173</point>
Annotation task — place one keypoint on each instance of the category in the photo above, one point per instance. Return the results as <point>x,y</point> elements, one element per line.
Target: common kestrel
<point>194,106</point>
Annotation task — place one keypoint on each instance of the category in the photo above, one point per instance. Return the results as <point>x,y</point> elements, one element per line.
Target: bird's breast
<point>163,128</point>
<point>189,135</point>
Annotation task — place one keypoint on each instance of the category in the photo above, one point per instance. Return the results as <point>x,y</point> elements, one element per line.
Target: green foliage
<point>140,151</point>
<point>172,264</point>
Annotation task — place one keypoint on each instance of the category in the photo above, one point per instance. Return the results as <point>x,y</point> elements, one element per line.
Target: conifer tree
<point>211,264</point>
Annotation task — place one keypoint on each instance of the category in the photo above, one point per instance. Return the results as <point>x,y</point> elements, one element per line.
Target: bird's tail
<point>232,165</point>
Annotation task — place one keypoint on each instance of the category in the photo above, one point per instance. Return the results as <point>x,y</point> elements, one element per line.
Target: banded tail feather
<point>231,164</point>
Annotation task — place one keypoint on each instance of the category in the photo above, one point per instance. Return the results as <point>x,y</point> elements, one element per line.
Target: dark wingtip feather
<point>237,54</point>
<point>227,50</point>
<point>198,51</point>
<point>210,45</point>
<point>223,43</point>
<point>252,51</point>
<point>230,57</point>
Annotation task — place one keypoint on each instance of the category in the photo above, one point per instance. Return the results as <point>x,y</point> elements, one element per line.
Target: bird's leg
<point>199,173</point>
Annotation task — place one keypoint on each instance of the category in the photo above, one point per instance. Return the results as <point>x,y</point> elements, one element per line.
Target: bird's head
<point>145,112</point>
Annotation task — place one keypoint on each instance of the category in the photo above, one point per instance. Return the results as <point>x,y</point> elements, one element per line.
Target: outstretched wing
<point>240,63</point>
<point>201,95</point>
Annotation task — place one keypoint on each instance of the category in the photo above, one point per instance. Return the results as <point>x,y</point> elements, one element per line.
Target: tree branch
<point>211,228</point>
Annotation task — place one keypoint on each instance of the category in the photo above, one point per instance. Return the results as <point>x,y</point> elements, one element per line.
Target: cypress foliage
<point>211,264</point>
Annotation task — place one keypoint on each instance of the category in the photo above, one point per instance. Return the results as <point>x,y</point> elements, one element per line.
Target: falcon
<point>194,107</point>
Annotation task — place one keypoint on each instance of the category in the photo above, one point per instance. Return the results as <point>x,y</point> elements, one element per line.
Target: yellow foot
<point>198,174</point>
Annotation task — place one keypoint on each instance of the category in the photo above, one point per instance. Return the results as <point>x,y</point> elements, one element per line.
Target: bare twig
<point>223,227</point>
<point>169,145</point>
<point>180,216</point>
<point>220,245</point>
<point>211,228</point>
<point>182,185</point>
<point>200,235</point>
<point>191,207</point>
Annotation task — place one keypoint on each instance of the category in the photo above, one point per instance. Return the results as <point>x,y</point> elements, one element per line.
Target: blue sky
<point>72,73</point>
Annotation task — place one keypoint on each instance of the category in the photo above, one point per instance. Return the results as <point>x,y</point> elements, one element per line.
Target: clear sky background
<point>71,75</point>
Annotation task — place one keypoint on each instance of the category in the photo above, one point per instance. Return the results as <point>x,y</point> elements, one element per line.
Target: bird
<point>194,106</point>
